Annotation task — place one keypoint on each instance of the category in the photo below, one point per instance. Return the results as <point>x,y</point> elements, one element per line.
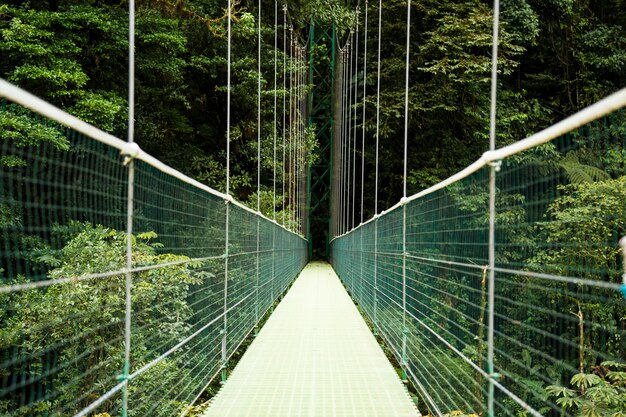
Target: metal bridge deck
<point>314,357</point>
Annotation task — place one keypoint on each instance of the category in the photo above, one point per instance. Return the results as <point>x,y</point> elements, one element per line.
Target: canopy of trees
<point>556,57</point>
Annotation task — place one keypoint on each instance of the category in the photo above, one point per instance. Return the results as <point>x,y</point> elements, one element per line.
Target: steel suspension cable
<point>228,98</point>
<point>130,205</point>
<point>404,178</point>
<point>258,156</point>
<point>406,98</point>
<point>299,141</point>
<point>492,209</point>
<point>290,204</point>
<point>275,108</point>
<point>275,131</point>
<point>344,124</point>
<point>304,143</point>
<point>294,130</point>
<point>344,121</point>
<point>363,117</point>
<point>298,138</point>
<point>356,92</point>
<point>380,16</point>
<point>258,116</point>
<point>302,140</point>
<point>348,124</point>
<point>349,129</point>
<point>380,8</point>
<point>284,103</point>
<point>227,225</point>
<point>337,180</point>
<point>296,115</point>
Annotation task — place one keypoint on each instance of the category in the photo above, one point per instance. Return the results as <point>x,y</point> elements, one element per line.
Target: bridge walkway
<point>314,357</point>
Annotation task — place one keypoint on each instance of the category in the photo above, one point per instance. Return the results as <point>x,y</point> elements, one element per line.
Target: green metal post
<point>321,77</point>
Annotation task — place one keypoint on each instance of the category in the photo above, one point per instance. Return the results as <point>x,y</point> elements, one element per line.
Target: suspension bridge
<point>131,289</point>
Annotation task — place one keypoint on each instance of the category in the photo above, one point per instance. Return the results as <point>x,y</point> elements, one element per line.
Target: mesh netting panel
<point>63,220</point>
<point>560,318</point>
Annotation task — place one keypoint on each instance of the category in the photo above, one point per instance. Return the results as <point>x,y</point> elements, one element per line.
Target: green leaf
<point>583,380</point>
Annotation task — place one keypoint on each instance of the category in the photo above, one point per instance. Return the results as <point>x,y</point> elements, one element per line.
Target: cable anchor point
<point>495,376</point>
<point>496,165</point>
<point>130,152</point>
<point>124,376</point>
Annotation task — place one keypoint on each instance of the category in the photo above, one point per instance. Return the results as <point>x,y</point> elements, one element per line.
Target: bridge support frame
<point>322,78</point>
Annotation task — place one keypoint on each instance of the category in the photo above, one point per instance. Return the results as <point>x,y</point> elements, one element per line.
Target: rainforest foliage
<point>556,57</point>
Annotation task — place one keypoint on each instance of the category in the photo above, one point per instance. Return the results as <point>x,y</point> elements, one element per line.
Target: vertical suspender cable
<point>302,138</point>
<point>258,115</point>
<point>406,141</point>
<point>361,260</point>
<point>363,121</point>
<point>342,158</point>
<point>294,130</point>
<point>296,115</point>
<point>301,147</point>
<point>284,99</point>
<point>130,202</point>
<point>294,143</point>
<point>492,208</point>
<point>258,168</point>
<point>337,181</point>
<point>341,138</point>
<point>346,141</point>
<point>349,129</point>
<point>299,138</point>
<point>354,276</point>
<point>380,15</point>
<point>296,126</point>
<point>290,140</point>
<point>227,231</point>
<point>131,71</point>
<point>228,92</point>
<point>301,141</point>
<point>305,143</point>
<point>356,92</point>
<point>275,106</point>
<point>406,97</point>
<point>273,278</point>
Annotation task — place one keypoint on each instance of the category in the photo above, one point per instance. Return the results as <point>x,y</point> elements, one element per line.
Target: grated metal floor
<point>314,357</point>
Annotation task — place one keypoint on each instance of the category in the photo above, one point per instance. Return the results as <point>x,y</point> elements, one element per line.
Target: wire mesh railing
<point>551,309</point>
<point>64,200</point>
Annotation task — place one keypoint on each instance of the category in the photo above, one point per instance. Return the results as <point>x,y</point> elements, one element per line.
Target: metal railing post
<point>495,167</point>
<point>404,327</point>
<point>128,161</point>
<point>376,275</point>
<point>225,328</point>
<point>256,290</point>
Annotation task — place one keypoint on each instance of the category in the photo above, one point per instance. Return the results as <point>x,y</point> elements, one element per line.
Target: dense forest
<point>556,57</point>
